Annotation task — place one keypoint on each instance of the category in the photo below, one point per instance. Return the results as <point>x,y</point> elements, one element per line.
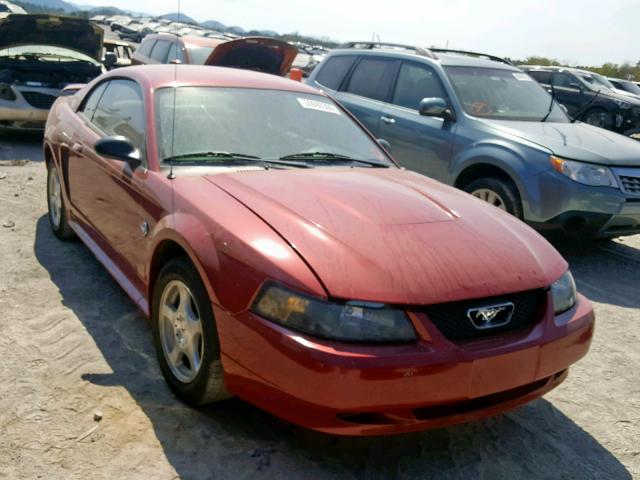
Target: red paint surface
<point>368,234</point>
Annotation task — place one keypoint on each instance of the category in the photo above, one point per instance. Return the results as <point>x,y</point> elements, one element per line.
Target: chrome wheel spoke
<point>491,197</point>
<point>181,332</point>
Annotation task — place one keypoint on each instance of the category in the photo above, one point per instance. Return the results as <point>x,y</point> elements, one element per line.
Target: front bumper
<point>374,390</point>
<point>555,204</point>
<point>20,114</point>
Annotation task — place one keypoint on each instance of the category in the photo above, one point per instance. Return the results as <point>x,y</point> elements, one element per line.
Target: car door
<point>420,143</point>
<point>569,92</point>
<point>120,207</point>
<point>366,90</point>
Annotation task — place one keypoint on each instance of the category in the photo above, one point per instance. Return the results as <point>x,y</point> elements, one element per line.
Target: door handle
<point>76,147</point>
<point>388,120</point>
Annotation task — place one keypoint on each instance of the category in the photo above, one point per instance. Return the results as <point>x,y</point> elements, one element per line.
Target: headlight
<point>564,293</point>
<point>622,104</point>
<point>6,92</point>
<point>585,173</point>
<point>350,322</point>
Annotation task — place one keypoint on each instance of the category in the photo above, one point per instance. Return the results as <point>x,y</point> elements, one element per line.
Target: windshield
<point>199,55</point>
<point>629,86</point>
<point>502,94</point>
<point>44,51</point>
<point>595,82</point>
<point>268,124</point>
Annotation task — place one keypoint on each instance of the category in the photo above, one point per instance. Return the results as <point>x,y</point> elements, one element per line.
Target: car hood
<point>75,34</point>
<point>392,236</point>
<point>254,53</point>
<point>577,141</point>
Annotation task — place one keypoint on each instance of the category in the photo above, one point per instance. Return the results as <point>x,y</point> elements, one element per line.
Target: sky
<point>576,32</point>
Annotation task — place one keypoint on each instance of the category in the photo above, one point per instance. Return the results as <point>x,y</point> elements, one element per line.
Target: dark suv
<point>481,124</point>
<point>590,97</point>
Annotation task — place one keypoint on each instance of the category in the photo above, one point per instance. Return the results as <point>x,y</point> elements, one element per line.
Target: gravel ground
<point>73,345</point>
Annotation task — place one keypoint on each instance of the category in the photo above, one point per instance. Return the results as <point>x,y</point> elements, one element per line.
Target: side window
<point>145,47</point>
<point>91,101</point>
<point>121,112</point>
<point>372,78</point>
<point>176,52</point>
<point>564,80</point>
<point>416,82</point>
<point>541,76</point>
<point>160,50</point>
<point>334,71</point>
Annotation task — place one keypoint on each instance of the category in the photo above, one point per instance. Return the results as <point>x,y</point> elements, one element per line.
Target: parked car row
<point>483,125</point>
<point>590,97</point>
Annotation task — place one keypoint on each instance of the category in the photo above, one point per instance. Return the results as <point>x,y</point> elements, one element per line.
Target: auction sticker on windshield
<point>523,77</point>
<point>318,105</point>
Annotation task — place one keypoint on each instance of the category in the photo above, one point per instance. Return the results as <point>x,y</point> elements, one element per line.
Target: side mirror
<point>119,148</point>
<point>110,60</point>
<point>384,144</point>
<point>436,107</point>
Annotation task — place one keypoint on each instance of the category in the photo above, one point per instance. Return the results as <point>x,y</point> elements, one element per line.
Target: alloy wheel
<point>491,197</point>
<point>55,198</point>
<point>181,331</point>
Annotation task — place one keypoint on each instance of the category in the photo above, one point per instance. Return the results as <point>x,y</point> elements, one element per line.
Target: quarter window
<point>146,47</point>
<point>121,112</point>
<point>372,78</point>
<point>92,100</point>
<point>416,82</point>
<point>161,50</point>
<point>334,71</point>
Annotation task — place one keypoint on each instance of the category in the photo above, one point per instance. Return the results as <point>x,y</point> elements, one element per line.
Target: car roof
<point>445,59</point>
<point>167,75</point>
<point>557,67</point>
<point>193,40</point>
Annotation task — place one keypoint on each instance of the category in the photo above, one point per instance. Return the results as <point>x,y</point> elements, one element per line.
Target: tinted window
<point>563,80</point>
<point>372,78</point>
<point>92,100</point>
<point>160,50</point>
<point>176,53</point>
<point>541,76</point>
<point>334,71</point>
<point>146,47</point>
<point>416,82</point>
<point>121,112</point>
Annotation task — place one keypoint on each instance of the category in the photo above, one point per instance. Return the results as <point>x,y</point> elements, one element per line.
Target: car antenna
<point>175,93</point>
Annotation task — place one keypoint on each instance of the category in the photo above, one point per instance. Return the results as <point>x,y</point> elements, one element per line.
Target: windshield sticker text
<point>318,105</point>
<point>523,77</point>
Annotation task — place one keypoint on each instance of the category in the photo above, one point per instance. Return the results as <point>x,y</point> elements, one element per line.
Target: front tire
<point>598,117</point>
<point>499,192</point>
<point>185,335</point>
<point>58,216</point>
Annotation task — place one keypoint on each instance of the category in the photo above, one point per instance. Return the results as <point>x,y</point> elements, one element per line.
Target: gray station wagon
<point>477,122</point>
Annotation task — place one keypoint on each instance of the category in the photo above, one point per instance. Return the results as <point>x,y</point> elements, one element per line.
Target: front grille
<point>630,185</point>
<point>39,100</point>
<point>452,320</point>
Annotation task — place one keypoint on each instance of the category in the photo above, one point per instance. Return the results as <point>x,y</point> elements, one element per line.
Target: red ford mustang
<point>283,257</point>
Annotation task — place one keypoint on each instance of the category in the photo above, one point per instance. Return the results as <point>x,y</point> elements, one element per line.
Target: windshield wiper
<point>218,157</point>
<point>553,97</point>
<point>328,156</point>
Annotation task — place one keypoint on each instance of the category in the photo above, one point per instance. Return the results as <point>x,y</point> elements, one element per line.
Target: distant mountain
<point>214,25</point>
<point>237,30</point>
<point>179,17</point>
<point>51,4</point>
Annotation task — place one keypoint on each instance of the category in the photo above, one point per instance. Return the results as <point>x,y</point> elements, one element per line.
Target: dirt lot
<point>72,344</point>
